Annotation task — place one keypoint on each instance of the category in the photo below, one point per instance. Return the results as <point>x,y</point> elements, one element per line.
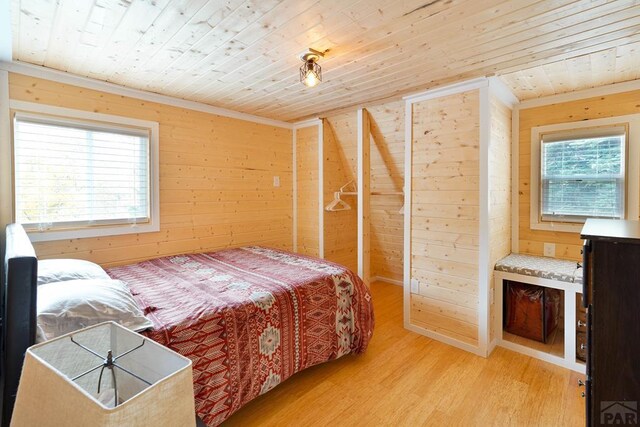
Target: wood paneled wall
<point>216,179</point>
<point>445,215</point>
<point>568,245</point>
<point>387,174</point>
<point>343,128</point>
<point>307,190</point>
<point>340,227</point>
<point>499,195</point>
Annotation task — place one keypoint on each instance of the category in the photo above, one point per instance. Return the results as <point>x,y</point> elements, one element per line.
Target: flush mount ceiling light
<point>310,71</point>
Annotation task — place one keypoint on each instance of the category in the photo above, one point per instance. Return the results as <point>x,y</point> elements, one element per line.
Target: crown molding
<point>577,95</point>
<point>451,89</point>
<point>307,123</point>
<point>89,83</point>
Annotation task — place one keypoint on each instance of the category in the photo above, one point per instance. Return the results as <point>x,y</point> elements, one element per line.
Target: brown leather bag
<point>531,311</point>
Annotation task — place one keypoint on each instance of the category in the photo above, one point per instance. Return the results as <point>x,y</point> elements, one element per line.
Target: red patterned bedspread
<point>249,318</point>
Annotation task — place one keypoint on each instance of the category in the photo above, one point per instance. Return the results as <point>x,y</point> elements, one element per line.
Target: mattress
<point>249,318</point>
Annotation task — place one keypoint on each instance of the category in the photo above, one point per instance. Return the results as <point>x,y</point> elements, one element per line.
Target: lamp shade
<point>104,375</point>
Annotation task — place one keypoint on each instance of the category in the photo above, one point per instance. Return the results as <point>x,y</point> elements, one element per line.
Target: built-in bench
<point>548,272</point>
<point>543,267</point>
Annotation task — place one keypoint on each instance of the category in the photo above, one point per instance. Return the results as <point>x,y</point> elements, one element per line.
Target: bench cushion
<point>537,266</point>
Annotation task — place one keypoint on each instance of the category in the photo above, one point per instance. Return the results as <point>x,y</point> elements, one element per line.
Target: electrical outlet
<point>415,286</point>
<point>550,249</point>
<point>276,181</point>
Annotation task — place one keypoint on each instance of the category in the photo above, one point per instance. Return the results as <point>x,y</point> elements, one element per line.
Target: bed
<point>248,318</point>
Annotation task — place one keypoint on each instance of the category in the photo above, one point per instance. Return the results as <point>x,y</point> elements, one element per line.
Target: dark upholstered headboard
<point>18,312</point>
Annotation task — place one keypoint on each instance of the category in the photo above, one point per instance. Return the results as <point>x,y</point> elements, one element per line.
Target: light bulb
<point>311,79</point>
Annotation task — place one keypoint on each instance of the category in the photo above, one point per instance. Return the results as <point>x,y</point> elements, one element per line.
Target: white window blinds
<point>583,175</point>
<point>76,174</point>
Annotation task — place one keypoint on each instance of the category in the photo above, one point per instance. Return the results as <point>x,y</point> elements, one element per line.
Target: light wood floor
<point>407,379</point>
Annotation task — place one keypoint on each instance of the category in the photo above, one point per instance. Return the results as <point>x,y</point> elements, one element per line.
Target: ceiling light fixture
<point>310,71</point>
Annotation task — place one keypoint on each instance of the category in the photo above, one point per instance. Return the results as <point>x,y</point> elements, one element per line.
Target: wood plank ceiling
<point>614,65</point>
<point>243,54</point>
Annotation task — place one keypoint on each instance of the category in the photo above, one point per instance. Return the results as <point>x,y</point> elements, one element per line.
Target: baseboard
<point>492,346</point>
<point>445,339</point>
<point>387,280</point>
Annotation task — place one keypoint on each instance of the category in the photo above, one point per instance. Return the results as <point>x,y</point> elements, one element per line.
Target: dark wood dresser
<point>611,261</point>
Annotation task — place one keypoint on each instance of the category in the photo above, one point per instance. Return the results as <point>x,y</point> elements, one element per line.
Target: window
<point>580,170</point>
<point>75,177</point>
<point>583,175</point>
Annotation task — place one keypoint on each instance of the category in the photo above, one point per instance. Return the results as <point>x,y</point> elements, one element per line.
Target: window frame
<point>96,121</point>
<point>631,168</point>
<point>576,134</point>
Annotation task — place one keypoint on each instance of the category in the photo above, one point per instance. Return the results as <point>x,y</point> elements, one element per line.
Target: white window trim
<point>632,164</point>
<point>154,172</point>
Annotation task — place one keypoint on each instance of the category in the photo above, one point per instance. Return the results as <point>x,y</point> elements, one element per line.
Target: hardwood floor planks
<point>405,379</point>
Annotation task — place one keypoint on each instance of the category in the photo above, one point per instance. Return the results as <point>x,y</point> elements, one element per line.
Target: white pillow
<point>67,306</point>
<point>60,270</point>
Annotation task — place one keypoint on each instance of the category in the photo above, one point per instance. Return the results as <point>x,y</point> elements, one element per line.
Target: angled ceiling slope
<point>243,55</point>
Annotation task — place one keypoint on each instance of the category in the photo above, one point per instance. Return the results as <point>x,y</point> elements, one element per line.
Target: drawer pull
<point>581,324</point>
<point>580,383</point>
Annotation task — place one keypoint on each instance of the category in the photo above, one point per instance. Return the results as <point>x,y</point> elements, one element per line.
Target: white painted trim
<point>502,92</point>
<point>581,94</point>
<point>550,358</point>
<point>306,123</point>
<point>633,171</point>
<point>539,281</point>
<point>492,346</point>
<point>320,189</point>
<point>386,280</point>
<point>320,126</point>
<point>46,236</point>
<point>445,339</point>
<point>448,90</point>
<point>88,83</point>
<point>154,172</point>
<point>6,48</point>
<point>498,277</point>
<point>632,202</point>
<point>570,326</point>
<point>484,271</point>
<point>6,163</point>
<point>515,180</point>
<point>504,95</point>
<point>570,292</point>
<point>294,155</point>
<point>408,154</point>
<point>361,191</point>
<point>34,107</point>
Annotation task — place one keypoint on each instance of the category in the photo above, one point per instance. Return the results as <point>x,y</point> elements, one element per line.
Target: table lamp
<point>104,375</point>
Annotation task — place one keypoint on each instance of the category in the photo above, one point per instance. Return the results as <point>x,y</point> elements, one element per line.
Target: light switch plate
<point>276,181</point>
<point>550,249</point>
<point>415,286</point>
